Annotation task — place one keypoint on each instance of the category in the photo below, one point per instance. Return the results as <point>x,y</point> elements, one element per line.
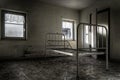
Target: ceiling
<point>74,4</point>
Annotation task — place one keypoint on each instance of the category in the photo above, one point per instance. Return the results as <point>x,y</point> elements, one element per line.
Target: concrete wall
<point>46,18</point>
<point>114,5</point>
<point>41,18</point>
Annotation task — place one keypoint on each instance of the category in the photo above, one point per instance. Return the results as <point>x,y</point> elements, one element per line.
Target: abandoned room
<point>59,40</point>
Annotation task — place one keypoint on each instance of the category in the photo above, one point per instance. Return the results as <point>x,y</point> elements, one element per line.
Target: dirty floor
<point>58,68</point>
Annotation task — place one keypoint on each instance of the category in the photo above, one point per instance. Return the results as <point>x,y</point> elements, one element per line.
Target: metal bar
<point>69,44</point>
<point>89,34</point>
<point>55,39</point>
<point>64,41</point>
<point>98,37</point>
<point>83,36</point>
<point>96,28</point>
<point>46,43</point>
<point>77,58</point>
<point>93,48</point>
<point>102,38</point>
<point>107,55</point>
<point>90,31</point>
<point>61,40</point>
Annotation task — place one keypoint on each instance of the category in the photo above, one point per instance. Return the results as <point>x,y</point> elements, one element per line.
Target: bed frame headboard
<point>90,48</point>
<point>93,32</point>
<point>56,41</point>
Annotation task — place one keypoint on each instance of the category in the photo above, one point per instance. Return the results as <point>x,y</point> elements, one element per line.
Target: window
<point>68,29</point>
<point>87,34</point>
<point>13,25</point>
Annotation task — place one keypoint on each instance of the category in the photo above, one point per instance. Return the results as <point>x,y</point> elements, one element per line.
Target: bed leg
<point>107,61</point>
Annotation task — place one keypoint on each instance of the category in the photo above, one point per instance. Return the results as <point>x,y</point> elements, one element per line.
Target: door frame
<point>109,26</point>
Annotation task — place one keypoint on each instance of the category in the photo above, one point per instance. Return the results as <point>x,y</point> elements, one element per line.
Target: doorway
<point>103,18</point>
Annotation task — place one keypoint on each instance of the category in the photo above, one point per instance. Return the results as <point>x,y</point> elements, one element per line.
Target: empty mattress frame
<point>56,39</point>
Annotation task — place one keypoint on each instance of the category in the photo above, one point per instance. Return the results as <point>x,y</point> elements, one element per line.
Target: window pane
<point>14,25</point>
<point>67,29</point>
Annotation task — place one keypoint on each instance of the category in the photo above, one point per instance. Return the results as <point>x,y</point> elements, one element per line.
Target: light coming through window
<point>68,29</point>
<point>13,25</point>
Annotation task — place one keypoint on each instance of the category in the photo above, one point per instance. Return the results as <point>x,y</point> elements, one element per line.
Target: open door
<point>103,18</point>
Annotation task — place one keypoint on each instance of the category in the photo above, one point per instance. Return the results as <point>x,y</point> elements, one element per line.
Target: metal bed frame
<point>54,42</point>
<point>100,48</point>
<point>56,39</point>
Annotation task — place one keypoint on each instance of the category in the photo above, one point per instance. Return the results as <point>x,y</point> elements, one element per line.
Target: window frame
<point>73,26</point>
<point>3,37</point>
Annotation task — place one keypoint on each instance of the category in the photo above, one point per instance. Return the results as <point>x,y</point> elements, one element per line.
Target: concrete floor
<point>58,68</point>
